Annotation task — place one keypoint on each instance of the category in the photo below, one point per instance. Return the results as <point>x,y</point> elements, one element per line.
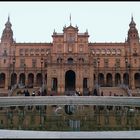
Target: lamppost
<point>115,66</point>
<point>41,73</point>
<point>126,63</point>
<point>25,74</point>
<point>14,61</point>
<point>98,62</point>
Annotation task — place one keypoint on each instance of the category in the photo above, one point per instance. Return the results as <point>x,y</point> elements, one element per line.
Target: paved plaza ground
<point>59,134</point>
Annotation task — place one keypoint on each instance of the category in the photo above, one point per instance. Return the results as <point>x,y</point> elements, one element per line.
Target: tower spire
<point>8,17</point>
<point>131,17</point>
<point>70,19</point>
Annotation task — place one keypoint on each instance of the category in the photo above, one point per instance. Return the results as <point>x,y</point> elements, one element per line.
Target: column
<point>77,74</point>
<point>35,80</point>
<point>81,70</point>
<point>7,81</point>
<point>62,89</point>
<point>49,83</point>
<point>58,82</point>
<point>105,78</point>
<point>113,79</point>
<point>26,79</point>
<point>122,78</point>
<point>90,79</point>
<point>132,82</point>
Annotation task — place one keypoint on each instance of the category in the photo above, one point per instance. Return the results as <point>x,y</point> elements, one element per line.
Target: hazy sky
<point>36,21</point>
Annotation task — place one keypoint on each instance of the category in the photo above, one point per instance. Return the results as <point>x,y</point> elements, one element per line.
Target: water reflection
<point>70,109</point>
<point>70,118</point>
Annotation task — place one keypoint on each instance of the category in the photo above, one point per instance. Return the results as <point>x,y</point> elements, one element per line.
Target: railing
<point>69,100</point>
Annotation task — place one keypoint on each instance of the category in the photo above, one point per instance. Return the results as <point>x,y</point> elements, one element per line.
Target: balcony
<point>135,54</point>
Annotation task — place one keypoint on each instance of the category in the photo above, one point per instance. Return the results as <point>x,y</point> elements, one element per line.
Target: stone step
<point>114,91</point>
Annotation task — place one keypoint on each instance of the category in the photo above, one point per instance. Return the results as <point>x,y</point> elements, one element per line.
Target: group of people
<point>38,93</point>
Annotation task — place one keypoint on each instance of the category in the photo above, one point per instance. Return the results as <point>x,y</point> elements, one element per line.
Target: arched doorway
<point>70,80</point>
<point>109,80</point>
<point>22,79</point>
<point>30,80</point>
<point>2,80</point>
<point>117,79</point>
<point>137,80</point>
<point>13,79</point>
<point>39,79</point>
<point>101,79</point>
<point>126,79</point>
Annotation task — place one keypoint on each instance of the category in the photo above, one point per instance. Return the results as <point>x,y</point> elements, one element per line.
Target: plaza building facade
<point>70,62</point>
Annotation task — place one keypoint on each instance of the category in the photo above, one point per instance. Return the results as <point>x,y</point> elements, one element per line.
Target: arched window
<point>113,51</point>
<point>103,51</point>
<point>118,51</point>
<point>59,60</point>
<point>37,51</point>
<point>81,59</point>
<point>93,52</point>
<point>108,51</point>
<point>70,60</point>
<point>31,51</point>
<point>98,51</point>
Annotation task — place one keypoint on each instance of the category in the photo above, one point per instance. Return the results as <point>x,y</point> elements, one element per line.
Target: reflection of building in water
<point>70,109</point>
<point>70,62</point>
<point>74,124</point>
<point>88,118</point>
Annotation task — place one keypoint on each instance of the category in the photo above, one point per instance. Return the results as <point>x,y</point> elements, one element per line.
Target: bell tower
<point>133,39</point>
<point>7,35</point>
<point>132,32</point>
<point>7,44</point>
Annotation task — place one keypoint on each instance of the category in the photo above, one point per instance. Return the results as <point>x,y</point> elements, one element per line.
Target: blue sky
<point>36,21</point>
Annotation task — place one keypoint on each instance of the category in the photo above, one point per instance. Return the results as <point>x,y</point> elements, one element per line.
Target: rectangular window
<point>26,52</point>
<point>81,48</point>
<point>33,63</point>
<point>31,52</point>
<point>5,53</point>
<point>70,48</point>
<point>94,63</point>
<point>45,63</point>
<point>59,48</point>
<point>42,52</point>
<point>106,62</point>
<point>21,52</point>
<point>85,83</point>
<point>22,62</point>
<point>54,84</point>
<point>37,52</point>
<point>4,61</point>
<point>117,63</point>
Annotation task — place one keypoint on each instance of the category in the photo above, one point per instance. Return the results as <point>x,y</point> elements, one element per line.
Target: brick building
<point>70,62</point>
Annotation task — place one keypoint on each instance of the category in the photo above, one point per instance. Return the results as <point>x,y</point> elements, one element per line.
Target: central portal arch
<point>70,80</point>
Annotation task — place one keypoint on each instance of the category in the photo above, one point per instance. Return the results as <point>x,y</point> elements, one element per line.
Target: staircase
<point>115,91</point>
<point>3,92</point>
<point>135,92</point>
<point>19,91</point>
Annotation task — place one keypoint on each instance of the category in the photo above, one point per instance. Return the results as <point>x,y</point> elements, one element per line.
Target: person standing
<point>102,94</point>
<point>33,94</point>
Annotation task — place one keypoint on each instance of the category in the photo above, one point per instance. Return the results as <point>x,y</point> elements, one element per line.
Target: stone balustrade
<point>69,100</point>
